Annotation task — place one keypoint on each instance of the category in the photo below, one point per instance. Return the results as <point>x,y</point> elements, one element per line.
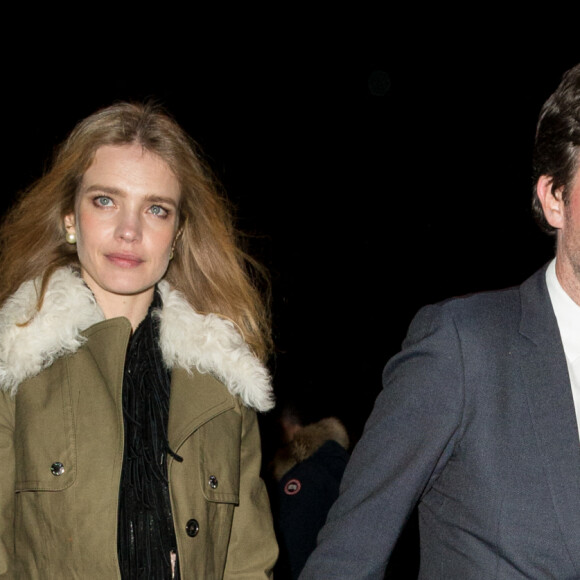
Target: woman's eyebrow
<point>102,188</point>
<point>156,198</point>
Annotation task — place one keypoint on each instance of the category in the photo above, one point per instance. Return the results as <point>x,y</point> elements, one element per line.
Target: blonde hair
<point>209,266</point>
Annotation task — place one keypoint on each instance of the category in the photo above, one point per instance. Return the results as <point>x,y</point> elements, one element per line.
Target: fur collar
<point>188,339</point>
<point>306,442</point>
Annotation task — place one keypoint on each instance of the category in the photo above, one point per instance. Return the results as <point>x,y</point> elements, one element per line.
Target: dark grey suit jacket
<point>475,425</point>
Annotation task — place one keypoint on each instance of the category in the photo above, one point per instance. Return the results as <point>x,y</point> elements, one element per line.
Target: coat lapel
<point>107,342</point>
<point>195,399</point>
<point>211,344</point>
<point>69,307</point>
<point>552,407</point>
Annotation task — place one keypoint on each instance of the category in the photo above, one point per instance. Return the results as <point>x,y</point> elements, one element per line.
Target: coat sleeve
<point>6,485</point>
<point>252,550</point>
<point>406,441</point>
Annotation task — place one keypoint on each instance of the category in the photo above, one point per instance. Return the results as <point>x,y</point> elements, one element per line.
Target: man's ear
<point>551,201</point>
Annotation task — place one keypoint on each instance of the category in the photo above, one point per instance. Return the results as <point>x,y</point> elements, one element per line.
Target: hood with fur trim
<point>306,442</point>
<point>187,339</point>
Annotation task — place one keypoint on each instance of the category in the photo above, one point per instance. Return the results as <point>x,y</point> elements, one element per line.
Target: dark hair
<point>557,143</point>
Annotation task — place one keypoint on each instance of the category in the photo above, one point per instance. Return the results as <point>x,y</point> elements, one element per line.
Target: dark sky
<point>372,178</point>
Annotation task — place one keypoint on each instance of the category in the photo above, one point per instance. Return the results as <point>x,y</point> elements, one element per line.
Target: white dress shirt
<point>568,317</point>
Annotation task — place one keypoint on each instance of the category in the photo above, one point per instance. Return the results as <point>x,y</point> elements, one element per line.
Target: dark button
<point>57,468</point>
<point>192,528</point>
<point>213,482</point>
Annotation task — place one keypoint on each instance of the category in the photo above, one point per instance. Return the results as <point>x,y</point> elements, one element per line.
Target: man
<point>477,423</point>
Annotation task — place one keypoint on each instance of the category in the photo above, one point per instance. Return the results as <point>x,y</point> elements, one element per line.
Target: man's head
<point>557,167</point>
<point>557,143</point>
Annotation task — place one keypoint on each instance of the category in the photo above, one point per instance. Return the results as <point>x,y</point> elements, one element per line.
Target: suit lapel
<point>552,407</point>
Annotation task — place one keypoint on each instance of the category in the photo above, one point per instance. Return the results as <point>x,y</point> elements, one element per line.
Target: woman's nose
<point>129,227</point>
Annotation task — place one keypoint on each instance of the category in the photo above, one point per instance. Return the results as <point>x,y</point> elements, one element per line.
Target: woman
<point>131,341</point>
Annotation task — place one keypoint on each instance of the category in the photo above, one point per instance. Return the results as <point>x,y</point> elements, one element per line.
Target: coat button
<point>57,468</point>
<point>213,481</point>
<point>192,528</point>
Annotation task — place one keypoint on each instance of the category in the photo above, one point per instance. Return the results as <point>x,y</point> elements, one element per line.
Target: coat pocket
<point>44,438</point>
<point>220,444</point>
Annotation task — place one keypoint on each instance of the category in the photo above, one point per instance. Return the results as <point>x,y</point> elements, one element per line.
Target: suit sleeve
<point>406,441</point>
<point>7,462</point>
<point>253,549</point>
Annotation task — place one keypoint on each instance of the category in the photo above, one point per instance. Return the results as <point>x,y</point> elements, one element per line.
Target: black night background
<point>370,176</point>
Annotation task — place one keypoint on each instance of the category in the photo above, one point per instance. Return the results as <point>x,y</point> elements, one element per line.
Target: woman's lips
<point>125,260</point>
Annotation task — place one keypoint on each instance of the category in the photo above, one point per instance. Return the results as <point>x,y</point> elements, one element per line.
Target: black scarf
<point>146,536</point>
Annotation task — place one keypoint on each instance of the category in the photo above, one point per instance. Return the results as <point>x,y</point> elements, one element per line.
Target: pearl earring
<point>71,238</point>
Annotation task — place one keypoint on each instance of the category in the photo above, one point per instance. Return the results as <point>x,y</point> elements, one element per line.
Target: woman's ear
<point>552,203</point>
<point>69,223</point>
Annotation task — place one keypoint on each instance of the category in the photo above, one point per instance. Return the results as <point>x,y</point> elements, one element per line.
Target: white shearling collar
<point>188,339</point>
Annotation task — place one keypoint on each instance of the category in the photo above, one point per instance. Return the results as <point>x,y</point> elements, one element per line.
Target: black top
<point>146,537</point>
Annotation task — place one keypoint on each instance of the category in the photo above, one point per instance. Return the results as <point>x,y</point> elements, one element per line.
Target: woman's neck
<point>134,307</point>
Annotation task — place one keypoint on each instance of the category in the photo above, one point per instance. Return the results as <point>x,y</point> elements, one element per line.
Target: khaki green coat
<point>61,522</point>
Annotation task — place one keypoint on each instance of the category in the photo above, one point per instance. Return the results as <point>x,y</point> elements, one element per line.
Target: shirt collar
<point>567,313</point>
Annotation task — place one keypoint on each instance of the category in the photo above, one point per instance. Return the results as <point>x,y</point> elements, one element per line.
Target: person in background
<point>307,469</point>
<point>133,344</point>
<point>477,423</point>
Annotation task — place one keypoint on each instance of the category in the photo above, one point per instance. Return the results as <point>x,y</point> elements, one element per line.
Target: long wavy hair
<point>209,266</point>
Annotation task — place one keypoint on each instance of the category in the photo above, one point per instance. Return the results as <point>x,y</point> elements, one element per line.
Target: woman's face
<point>125,221</point>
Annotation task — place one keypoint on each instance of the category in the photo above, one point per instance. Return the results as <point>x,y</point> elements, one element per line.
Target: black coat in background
<point>309,471</point>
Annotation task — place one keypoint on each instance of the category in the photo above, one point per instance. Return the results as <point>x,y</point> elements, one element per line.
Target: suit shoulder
<point>485,306</point>
<point>483,313</point>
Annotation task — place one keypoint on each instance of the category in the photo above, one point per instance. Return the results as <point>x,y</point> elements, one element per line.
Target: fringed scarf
<point>146,537</point>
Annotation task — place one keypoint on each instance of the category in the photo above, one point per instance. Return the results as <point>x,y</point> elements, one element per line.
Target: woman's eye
<point>158,211</point>
<point>104,201</point>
